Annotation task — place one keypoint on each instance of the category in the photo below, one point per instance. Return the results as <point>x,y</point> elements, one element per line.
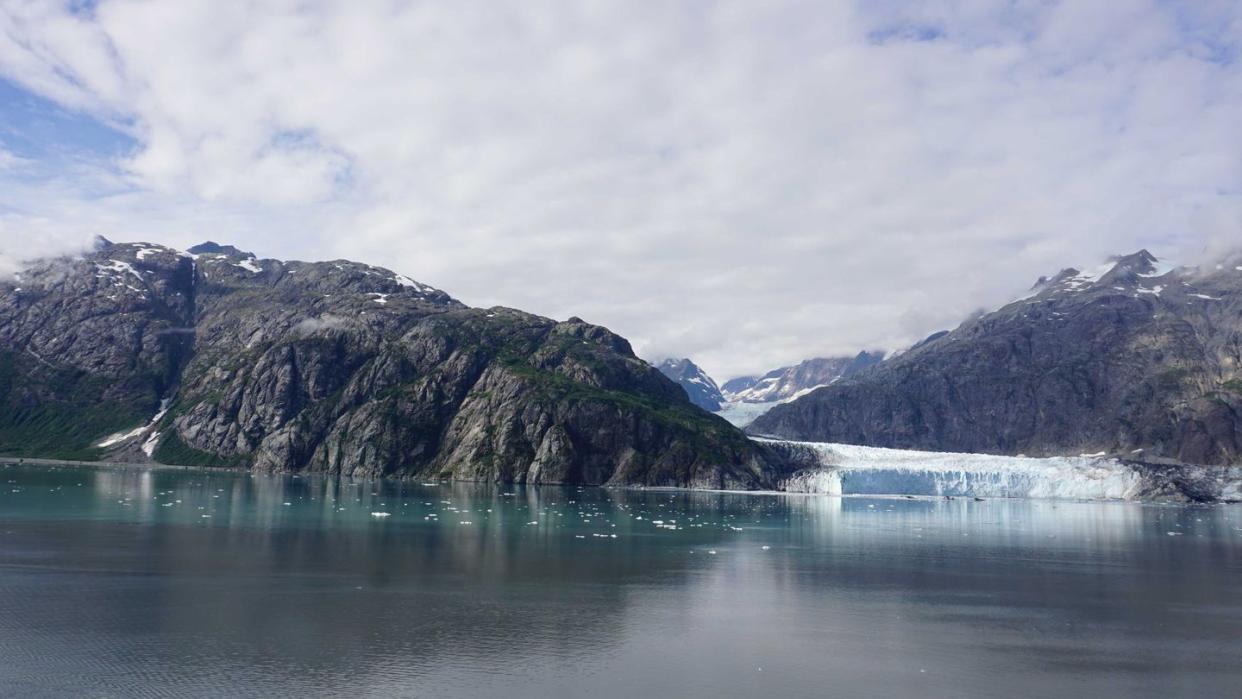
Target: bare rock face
<point>213,357</point>
<point>1130,359</point>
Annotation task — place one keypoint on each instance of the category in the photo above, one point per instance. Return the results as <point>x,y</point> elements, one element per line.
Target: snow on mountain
<point>1137,356</point>
<point>700,387</point>
<point>790,382</point>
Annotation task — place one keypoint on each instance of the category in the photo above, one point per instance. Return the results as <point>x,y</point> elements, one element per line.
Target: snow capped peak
<point>1119,272</point>
<point>405,281</point>
<point>701,388</point>
<point>786,383</point>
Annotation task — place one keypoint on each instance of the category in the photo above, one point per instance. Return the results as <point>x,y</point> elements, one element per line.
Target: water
<point>114,583</point>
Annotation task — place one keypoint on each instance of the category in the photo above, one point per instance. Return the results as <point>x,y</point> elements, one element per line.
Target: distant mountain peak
<point>214,248</point>
<point>788,382</point>
<point>1119,271</point>
<point>701,388</point>
<point>1134,356</point>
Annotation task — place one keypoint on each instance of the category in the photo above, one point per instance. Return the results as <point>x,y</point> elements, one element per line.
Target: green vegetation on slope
<point>58,428</point>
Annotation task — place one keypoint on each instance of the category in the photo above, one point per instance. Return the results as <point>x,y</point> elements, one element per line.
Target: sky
<point>744,183</point>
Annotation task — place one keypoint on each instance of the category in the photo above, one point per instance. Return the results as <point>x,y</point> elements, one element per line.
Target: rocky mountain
<point>1133,358</point>
<point>700,387</point>
<point>213,357</point>
<point>791,381</point>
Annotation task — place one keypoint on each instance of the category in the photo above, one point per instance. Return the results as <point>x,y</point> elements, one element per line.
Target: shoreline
<point>151,466</point>
<point>117,465</point>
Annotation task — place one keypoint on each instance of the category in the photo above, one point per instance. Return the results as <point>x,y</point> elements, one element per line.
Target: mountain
<point>700,387</point>
<point>1131,358</point>
<point>788,382</point>
<point>213,357</point>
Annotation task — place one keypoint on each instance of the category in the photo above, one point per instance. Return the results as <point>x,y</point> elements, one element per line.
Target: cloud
<point>748,184</point>
<point>10,161</point>
<point>326,321</point>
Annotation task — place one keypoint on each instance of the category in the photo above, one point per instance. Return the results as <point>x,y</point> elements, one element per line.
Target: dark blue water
<point>185,583</point>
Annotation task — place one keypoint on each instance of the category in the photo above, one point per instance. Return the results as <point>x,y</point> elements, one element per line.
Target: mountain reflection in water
<point>145,583</point>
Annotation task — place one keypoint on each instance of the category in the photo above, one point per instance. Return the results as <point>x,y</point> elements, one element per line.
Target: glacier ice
<point>846,469</point>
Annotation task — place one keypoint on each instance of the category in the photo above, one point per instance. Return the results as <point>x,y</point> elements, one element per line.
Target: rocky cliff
<point>212,357</point>
<point>1130,359</point>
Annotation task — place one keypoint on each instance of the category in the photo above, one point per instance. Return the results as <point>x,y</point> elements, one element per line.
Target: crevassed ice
<point>854,470</point>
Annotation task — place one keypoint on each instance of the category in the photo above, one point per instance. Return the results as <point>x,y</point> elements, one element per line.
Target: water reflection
<point>208,583</point>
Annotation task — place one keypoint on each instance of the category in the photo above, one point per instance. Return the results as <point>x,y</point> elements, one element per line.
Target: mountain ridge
<point>787,382</point>
<point>218,358</point>
<point>1133,358</point>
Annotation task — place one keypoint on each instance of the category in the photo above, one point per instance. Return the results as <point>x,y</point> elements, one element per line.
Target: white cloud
<point>9,161</point>
<point>745,183</point>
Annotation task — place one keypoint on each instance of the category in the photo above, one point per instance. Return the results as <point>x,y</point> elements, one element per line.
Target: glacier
<point>846,469</point>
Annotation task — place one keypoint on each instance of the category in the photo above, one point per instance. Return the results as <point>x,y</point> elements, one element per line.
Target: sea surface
<point>132,583</point>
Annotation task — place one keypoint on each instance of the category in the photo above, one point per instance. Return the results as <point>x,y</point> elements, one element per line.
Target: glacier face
<point>844,469</point>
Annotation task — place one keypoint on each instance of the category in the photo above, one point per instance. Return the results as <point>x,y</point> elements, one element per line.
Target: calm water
<point>183,583</point>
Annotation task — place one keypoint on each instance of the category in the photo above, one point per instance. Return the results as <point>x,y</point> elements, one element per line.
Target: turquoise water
<point>193,583</point>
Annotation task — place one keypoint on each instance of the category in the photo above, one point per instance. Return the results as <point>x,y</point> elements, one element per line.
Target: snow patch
<point>1159,269</point>
<point>120,437</point>
<point>119,267</point>
<point>148,447</point>
<point>1092,275</point>
<point>405,281</point>
<point>249,266</point>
